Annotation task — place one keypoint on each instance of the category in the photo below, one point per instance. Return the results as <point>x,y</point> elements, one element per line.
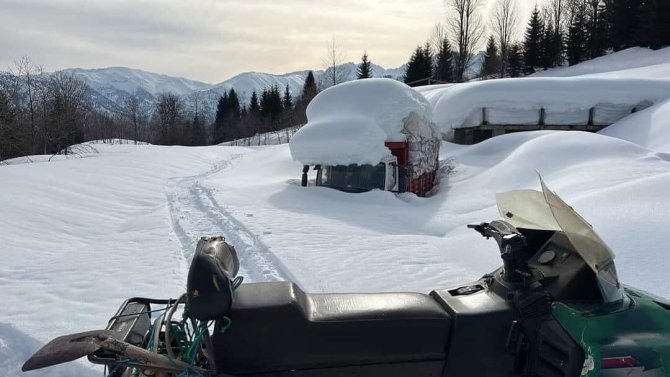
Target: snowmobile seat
<point>277,327</point>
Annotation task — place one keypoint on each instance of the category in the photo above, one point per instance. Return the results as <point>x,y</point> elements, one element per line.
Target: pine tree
<point>623,22</point>
<point>575,49</point>
<point>271,104</point>
<point>515,61</point>
<point>547,47</point>
<point>444,65</point>
<point>596,30</point>
<point>254,107</point>
<point>532,44</point>
<point>552,46</point>
<point>221,109</point>
<point>221,114</point>
<point>420,67</point>
<point>491,65</point>
<point>428,60</point>
<point>364,68</point>
<point>287,100</point>
<point>654,32</point>
<point>309,89</point>
<point>233,104</point>
<point>198,134</point>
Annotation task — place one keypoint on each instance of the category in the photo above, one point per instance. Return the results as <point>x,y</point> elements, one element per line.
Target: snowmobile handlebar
<point>510,242</point>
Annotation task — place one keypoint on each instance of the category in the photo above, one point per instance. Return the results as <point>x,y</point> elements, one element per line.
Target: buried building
<point>369,134</point>
<point>471,112</point>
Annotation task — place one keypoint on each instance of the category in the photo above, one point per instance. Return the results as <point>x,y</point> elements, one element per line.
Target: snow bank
<point>565,100</point>
<point>634,62</point>
<point>349,123</point>
<point>649,128</point>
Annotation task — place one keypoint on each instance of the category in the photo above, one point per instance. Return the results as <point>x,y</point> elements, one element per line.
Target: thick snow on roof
<point>349,123</point>
<point>565,100</point>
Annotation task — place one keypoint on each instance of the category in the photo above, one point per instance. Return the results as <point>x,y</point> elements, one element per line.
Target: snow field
<point>78,236</point>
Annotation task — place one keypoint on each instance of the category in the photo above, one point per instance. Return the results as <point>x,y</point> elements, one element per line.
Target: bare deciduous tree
<point>466,29</point>
<point>132,108</point>
<point>557,11</point>
<point>9,144</point>
<point>437,36</point>
<point>28,79</point>
<point>504,23</point>
<point>168,113</point>
<point>67,111</point>
<point>333,58</point>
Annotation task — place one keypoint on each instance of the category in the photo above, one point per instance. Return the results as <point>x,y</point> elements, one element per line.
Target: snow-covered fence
<point>268,138</point>
<point>116,141</point>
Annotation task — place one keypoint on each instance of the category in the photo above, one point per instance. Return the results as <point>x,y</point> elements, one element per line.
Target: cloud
<point>211,40</point>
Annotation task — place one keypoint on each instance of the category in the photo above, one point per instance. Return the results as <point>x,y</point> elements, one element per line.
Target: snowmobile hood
<point>545,210</point>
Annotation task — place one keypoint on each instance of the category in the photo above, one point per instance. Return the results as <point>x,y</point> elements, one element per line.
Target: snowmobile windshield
<point>547,211</point>
<point>354,178</point>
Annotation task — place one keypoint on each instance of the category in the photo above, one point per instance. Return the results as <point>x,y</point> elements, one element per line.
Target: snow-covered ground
<point>78,236</point>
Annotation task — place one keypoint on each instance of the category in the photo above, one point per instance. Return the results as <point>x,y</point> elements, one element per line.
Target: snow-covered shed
<point>361,123</point>
<point>473,111</point>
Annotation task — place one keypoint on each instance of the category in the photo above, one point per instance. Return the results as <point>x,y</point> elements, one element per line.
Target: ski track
<point>194,213</point>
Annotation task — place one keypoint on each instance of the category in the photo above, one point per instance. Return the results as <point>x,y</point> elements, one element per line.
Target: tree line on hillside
<point>44,113</point>
<point>563,32</point>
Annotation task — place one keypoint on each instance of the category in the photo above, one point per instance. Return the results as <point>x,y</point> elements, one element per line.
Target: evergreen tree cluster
<point>491,64</point>
<point>272,110</point>
<point>591,28</point>
<point>569,33</point>
<point>426,66</point>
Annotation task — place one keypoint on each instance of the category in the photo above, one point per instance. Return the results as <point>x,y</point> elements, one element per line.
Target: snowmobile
<point>554,308</point>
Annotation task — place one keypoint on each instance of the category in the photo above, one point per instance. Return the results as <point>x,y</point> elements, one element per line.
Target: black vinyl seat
<point>278,327</point>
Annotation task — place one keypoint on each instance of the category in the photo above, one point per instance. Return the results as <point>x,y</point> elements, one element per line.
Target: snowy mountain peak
<point>112,86</point>
<point>131,80</point>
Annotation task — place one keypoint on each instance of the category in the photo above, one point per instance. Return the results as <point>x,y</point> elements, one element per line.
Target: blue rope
<point>226,326</point>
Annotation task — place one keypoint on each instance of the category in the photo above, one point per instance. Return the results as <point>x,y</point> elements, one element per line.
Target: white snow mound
<point>349,123</point>
<point>635,62</point>
<point>649,128</point>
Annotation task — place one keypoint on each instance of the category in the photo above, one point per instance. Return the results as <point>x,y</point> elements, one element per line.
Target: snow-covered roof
<point>566,100</point>
<point>349,123</point>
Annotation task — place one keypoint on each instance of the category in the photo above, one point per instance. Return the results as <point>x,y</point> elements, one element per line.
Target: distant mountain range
<point>111,87</point>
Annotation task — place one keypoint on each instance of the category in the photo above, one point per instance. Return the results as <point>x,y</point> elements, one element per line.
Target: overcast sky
<point>213,40</point>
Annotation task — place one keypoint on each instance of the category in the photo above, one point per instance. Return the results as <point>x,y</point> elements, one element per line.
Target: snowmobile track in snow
<point>194,212</point>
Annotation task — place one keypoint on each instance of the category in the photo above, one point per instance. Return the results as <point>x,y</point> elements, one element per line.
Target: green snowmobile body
<point>631,338</point>
<point>628,334</point>
<point>555,309</point>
